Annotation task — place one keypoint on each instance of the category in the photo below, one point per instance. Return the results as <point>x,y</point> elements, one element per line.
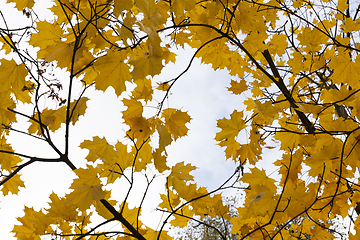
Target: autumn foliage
<point>296,63</point>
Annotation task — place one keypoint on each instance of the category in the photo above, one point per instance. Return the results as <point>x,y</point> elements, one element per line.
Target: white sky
<point>201,91</point>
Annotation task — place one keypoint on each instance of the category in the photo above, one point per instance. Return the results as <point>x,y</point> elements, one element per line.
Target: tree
<point>296,62</point>
<point>209,227</point>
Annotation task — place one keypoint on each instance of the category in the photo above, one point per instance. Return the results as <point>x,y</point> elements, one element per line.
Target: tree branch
<point>120,218</point>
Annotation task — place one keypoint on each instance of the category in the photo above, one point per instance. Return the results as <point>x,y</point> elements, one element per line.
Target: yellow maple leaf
<point>6,116</point>
<point>103,211</point>
<point>169,200</point>
<point>140,128</point>
<point>230,128</point>
<point>278,44</point>
<point>232,148</point>
<point>350,25</point>
<point>34,223</point>
<point>7,161</point>
<point>113,168</point>
<point>88,175</point>
<point>12,185</point>
<point>181,221</point>
<point>258,177</point>
<point>150,63</point>
<point>63,53</point>
<point>98,148</point>
<point>121,5</point>
<point>160,161</point>
<point>12,75</point>
<point>144,157</point>
<point>345,69</point>
<point>155,13</point>
<point>21,4</point>
<point>50,118</point>
<point>250,152</point>
<point>260,201</point>
<point>175,121</point>
<point>123,157</point>
<point>267,110</point>
<point>85,195</point>
<point>48,34</point>
<point>237,87</point>
<point>113,71</point>
<point>134,109</point>
<point>180,173</point>
<point>58,209</point>
<point>77,109</point>
<point>311,39</point>
<point>143,89</point>
<point>164,135</point>
<point>163,86</point>
<point>131,215</point>
<point>23,94</point>
<point>6,44</point>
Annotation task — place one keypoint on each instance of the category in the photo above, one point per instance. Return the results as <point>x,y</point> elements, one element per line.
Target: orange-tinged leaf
<point>175,121</point>
<point>230,128</point>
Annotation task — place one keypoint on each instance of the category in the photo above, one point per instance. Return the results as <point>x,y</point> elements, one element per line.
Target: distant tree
<point>209,227</point>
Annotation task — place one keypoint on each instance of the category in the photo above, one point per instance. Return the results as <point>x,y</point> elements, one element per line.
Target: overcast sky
<point>201,92</point>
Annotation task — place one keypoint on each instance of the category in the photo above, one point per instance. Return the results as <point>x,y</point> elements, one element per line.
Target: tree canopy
<point>296,63</point>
